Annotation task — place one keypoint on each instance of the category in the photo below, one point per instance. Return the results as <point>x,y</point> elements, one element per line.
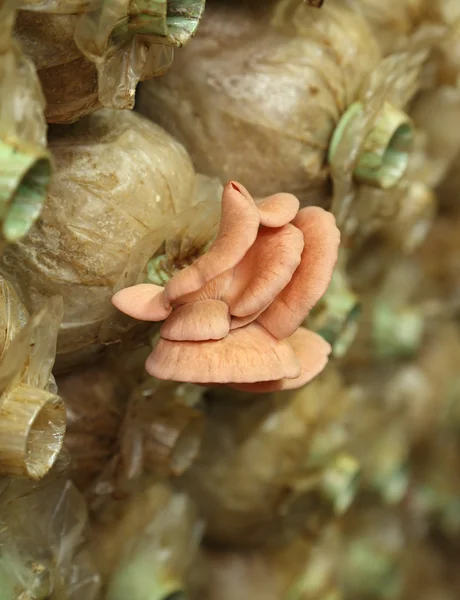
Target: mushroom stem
<point>384,154</point>
<point>32,426</point>
<point>25,172</point>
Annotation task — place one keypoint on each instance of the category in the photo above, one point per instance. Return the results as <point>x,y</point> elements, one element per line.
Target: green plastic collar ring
<point>25,173</point>
<point>385,152</point>
<point>175,21</point>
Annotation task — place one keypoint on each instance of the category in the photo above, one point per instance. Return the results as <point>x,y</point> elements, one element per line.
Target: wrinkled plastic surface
<point>396,80</point>
<point>91,54</point>
<point>124,424</point>
<point>68,80</point>
<point>162,430</point>
<point>95,399</point>
<point>27,354</point>
<point>394,21</point>
<point>120,184</point>
<point>21,109</point>
<point>144,544</point>
<point>42,531</point>
<point>276,449</point>
<point>257,100</point>
<point>24,164</point>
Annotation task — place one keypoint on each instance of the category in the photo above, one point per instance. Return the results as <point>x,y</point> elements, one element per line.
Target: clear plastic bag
<point>24,161</point>
<point>91,53</point>
<point>122,189</point>
<point>256,97</point>
<point>145,543</point>
<point>43,529</point>
<point>123,424</point>
<point>32,416</point>
<point>265,468</point>
<point>95,398</point>
<point>162,430</point>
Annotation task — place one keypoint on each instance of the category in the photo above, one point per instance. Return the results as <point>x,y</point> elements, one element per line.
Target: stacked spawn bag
<point>145,542</point>
<point>43,532</point>
<point>38,519</point>
<point>122,424</point>
<point>91,54</point>
<point>269,469</point>
<point>45,562</point>
<point>285,459</point>
<point>92,236</point>
<point>340,112</point>
<point>394,390</point>
<point>258,93</point>
<point>32,415</point>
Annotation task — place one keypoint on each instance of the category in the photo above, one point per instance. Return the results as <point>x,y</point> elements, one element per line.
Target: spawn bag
<point>32,416</point>
<point>123,187</point>
<point>24,161</point>
<point>90,53</point>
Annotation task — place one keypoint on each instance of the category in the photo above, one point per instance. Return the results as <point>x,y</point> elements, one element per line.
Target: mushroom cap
<point>312,352</point>
<point>238,228</point>
<point>233,316</point>
<point>278,210</point>
<point>198,321</point>
<point>145,302</point>
<point>265,270</point>
<point>311,279</point>
<point>245,355</point>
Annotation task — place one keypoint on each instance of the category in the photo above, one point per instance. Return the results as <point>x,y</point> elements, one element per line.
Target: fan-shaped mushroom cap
<point>313,353</point>
<point>145,302</point>
<point>238,229</point>
<point>265,270</point>
<point>245,355</point>
<point>310,281</point>
<point>198,321</point>
<point>277,210</point>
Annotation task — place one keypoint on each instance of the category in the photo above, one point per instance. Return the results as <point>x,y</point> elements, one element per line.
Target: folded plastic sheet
<point>396,81</point>
<point>162,430</point>
<point>393,22</point>
<point>32,415</point>
<point>103,48</point>
<point>145,543</point>
<point>43,529</point>
<point>123,189</point>
<point>123,424</point>
<point>95,399</point>
<point>280,451</point>
<point>258,93</point>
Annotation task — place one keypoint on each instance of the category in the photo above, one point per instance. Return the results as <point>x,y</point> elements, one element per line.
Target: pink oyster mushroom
<point>233,317</point>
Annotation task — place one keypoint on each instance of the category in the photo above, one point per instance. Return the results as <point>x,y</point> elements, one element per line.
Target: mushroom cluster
<point>234,316</point>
